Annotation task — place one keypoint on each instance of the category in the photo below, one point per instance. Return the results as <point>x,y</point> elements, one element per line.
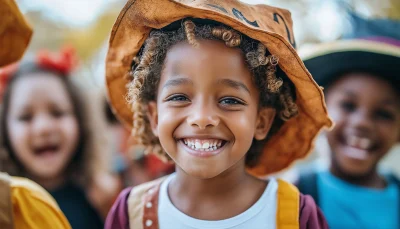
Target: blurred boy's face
<point>207,115</point>
<point>366,111</point>
<point>41,124</point>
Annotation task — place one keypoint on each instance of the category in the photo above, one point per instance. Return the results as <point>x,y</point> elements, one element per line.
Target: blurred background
<point>86,24</point>
<point>37,136</point>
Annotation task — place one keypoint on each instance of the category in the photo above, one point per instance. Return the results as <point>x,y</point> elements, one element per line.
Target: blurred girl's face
<point>42,126</point>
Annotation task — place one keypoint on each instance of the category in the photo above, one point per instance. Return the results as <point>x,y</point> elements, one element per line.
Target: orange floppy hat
<point>15,32</point>
<point>270,25</point>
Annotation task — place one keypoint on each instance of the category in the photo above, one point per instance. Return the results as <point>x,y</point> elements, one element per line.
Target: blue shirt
<point>348,206</point>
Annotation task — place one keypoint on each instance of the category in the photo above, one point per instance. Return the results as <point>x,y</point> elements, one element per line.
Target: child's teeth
<point>365,143</point>
<point>203,145</point>
<point>362,143</point>
<point>198,145</point>
<point>352,141</point>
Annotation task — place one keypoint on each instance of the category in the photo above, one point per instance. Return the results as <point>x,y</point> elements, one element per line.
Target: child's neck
<point>50,184</point>
<point>221,197</point>
<point>369,180</point>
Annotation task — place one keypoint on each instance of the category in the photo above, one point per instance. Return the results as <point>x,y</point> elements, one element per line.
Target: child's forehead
<point>364,85</point>
<point>184,53</point>
<point>211,57</point>
<point>357,78</point>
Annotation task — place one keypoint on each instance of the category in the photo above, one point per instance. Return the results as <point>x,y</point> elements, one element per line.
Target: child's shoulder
<point>23,189</point>
<point>310,214</point>
<point>138,203</point>
<point>131,202</point>
<point>29,201</point>
<point>148,187</point>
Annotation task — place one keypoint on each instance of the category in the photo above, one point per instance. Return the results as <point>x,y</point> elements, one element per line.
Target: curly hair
<point>86,161</point>
<point>275,92</point>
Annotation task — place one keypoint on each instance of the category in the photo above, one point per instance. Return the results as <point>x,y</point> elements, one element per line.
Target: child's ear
<point>152,115</point>
<point>264,122</point>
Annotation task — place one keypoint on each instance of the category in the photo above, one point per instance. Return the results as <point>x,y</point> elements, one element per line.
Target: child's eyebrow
<point>177,82</point>
<point>349,93</point>
<point>390,102</point>
<point>234,84</point>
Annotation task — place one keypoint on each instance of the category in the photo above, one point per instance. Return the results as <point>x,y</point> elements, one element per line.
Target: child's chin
<point>49,173</point>
<point>205,173</point>
<point>356,171</point>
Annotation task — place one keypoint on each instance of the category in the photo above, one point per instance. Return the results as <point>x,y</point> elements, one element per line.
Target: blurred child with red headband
<point>47,136</point>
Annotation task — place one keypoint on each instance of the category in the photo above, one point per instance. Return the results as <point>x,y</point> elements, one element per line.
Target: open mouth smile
<point>203,147</point>
<point>46,150</point>
<point>358,147</point>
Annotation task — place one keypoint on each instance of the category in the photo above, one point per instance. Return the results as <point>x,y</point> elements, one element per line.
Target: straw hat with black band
<point>377,55</point>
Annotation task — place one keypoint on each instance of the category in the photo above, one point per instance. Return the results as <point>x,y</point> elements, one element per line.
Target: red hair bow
<point>64,62</point>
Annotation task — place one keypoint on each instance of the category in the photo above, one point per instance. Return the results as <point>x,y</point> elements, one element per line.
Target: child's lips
<point>46,150</point>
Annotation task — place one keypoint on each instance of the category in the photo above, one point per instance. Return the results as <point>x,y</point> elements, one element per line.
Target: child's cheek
<point>335,112</point>
<point>242,126</point>
<point>18,135</point>
<point>168,121</point>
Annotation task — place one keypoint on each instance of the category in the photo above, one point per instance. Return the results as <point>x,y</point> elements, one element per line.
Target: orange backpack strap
<point>6,209</point>
<point>288,206</point>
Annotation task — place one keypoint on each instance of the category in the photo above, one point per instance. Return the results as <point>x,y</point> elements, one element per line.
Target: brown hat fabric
<point>269,25</point>
<point>15,33</point>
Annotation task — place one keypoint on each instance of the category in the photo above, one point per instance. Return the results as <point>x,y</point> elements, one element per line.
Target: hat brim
<point>327,62</point>
<point>15,33</point>
<point>269,25</point>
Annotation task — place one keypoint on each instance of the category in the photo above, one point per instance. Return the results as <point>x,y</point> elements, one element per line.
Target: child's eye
<point>348,106</point>
<point>177,98</point>
<point>231,101</point>
<point>57,113</point>
<point>25,118</point>
<point>384,115</point>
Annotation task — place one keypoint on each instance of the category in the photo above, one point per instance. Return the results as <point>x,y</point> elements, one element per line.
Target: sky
<point>71,12</point>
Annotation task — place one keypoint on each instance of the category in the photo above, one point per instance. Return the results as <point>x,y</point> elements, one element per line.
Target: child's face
<point>42,126</point>
<point>207,114</point>
<point>366,112</point>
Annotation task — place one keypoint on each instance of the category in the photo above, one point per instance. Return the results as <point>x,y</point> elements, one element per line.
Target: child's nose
<point>362,120</point>
<point>203,116</point>
<point>43,125</point>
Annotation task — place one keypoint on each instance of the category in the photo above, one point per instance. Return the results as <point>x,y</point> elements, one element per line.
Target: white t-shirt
<point>262,215</point>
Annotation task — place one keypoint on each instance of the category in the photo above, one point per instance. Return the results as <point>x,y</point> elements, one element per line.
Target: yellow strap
<point>34,207</point>
<point>288,206</point>
<point>6,210</point>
